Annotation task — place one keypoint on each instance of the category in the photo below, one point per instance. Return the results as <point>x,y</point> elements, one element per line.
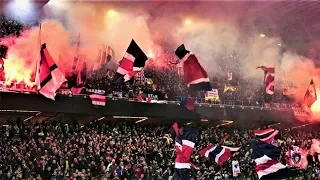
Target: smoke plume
<point>222,37</point>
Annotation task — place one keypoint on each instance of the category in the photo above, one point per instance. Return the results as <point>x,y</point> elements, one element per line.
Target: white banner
<point>213,95</point>
<point>299,112</point>
<point>235,168</point>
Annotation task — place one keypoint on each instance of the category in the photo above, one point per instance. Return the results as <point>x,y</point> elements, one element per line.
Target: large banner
<point>299,112</point>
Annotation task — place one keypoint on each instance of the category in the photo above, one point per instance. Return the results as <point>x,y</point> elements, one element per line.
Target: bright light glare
<point>279,44</point>
<point>262,35</point>
<point>20,4</point>
<point>112,12</point>
<point>55,3</point>
<point>188,21</point>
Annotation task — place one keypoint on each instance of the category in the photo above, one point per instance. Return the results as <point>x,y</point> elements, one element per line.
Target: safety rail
<point>200,102</point>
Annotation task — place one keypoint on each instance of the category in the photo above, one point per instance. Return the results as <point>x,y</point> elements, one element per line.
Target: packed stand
<point>105,150</point>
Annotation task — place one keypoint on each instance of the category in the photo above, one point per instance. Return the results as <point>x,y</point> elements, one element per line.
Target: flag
<point>98,62</point>
<point>266,135</point>
<point>76,57</point>
<point>81,62</point>
<point>107,54</point>
<point>194,75</point>
<point>75,90</point>
<point>99,100</point>
<point>297,157</point>
<point>104,55</point>
<point>266,158</point>
<point>132,62</point>
<point>184,143</point>
<point>229,76</point>
<point>188,103</point>
<point>217,153</point>
<point>268,78</point>
<point>50,78</point>
<point>1,65</point>
<point>299,111</point>
<point>311,95</point>
<point>110,53</point>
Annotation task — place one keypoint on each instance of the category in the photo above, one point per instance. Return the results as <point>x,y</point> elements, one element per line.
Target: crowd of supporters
<point>168,82</point>
<point>125,150</point>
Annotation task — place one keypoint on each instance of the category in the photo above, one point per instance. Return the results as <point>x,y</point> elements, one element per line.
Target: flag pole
<point>38,61</point>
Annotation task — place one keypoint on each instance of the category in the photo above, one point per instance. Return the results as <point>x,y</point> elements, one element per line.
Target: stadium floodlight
<point>20,4</point>
<point>188,21</point>
<point>112,12</point>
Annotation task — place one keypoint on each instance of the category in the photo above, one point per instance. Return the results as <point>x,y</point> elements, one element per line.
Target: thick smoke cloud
<point>222,35</point>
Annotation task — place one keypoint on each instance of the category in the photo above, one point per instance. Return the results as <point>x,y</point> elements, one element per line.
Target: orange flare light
<point>16,72</point>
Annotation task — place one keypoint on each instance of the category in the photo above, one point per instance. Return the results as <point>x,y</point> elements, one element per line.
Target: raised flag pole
<point>37,80</point>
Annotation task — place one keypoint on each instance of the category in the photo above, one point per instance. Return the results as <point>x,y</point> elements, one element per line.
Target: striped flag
<point>218,153</point>
<point>188,103</point>
<point>268,78</point>
<point>266,158</point>
<point>184,143</point>
<point>50,78</point>
<point>132,62</point>
<point>99,100</point>
<point>266,135</point>
<point>311,95</point>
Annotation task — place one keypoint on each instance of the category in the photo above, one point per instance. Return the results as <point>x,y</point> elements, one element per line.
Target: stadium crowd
<point>123,150</point>
<point>168,80</point>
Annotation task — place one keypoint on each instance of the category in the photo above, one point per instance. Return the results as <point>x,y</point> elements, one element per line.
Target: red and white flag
<point>132,62</point>
<point>311,95</point>
<point>218,153</point>
<point>184,143</point>
<point>266,135</point>
<point>266,157</point>
<point>107,54</point>
<point>99,100</point>
<point>49,77</point>
<point>268,78</point>
<point>1,65</point>
<point>194,74</point>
